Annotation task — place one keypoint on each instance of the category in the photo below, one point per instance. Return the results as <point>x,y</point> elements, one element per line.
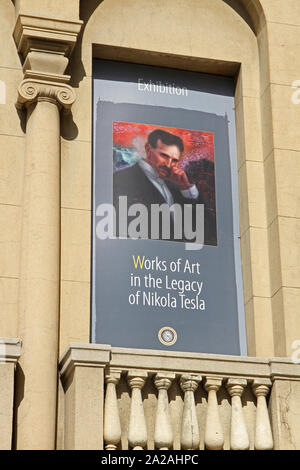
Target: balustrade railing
<point>214,438</point>
<point>170,400</point>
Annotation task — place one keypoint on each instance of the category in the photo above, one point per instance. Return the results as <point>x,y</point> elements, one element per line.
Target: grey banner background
<point>220,328</point>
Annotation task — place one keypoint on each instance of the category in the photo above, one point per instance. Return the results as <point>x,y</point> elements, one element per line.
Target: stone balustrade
<point>170,400</point>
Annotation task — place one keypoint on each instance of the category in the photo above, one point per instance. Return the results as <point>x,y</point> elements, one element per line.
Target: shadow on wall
<point>241,10</point>
<point>76,68</point>
<point>19,395</point>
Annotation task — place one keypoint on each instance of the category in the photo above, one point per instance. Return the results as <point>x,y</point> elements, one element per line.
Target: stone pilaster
<point>46,46</point>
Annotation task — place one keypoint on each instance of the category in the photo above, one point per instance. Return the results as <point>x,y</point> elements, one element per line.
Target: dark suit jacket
<point>133,183</point>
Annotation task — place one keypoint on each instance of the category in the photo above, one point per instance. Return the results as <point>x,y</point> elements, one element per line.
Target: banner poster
<point>166,270</point>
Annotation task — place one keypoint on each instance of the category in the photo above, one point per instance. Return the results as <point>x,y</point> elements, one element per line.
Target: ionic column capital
<point>32,90</point>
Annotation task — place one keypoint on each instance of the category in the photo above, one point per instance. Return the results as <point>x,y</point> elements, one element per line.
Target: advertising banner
<point>166,256</point>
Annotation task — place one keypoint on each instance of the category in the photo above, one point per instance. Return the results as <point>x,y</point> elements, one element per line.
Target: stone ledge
<point>156,361</point>
<point>10,350</point>
<point>283,368</point>
<point>183,362</point>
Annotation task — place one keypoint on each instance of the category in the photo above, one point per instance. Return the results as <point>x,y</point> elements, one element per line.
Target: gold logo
<point>167,336</point>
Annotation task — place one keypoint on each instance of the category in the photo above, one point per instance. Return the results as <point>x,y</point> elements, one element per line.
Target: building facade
<point>54,394</point>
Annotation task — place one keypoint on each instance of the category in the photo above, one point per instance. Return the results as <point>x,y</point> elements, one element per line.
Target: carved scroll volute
<point>239,439</point>
<point>32,90</point>
<point>214,436</point>
<point>137,432</point>
<point>190,436</point>
<point>163,434</point>
<point>263,431</point>
<point>112,425</point>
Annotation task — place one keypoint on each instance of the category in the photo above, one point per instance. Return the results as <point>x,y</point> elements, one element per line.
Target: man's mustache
<point>166,169</point>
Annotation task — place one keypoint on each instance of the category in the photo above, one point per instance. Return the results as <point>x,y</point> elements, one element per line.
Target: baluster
<point>137,432</point>
<point>190,437</point>
<point>263,432</point>
<point>239,439</point>
<point>163,434</point>
<point>214,436</point>
<point>112,425</point>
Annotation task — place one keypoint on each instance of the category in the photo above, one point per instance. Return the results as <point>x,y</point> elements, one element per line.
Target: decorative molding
<point>50,77</point>
<point>31,91</point>
<point>53,34</point>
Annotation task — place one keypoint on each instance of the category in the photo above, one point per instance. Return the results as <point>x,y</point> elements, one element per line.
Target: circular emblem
<point>167,336</point>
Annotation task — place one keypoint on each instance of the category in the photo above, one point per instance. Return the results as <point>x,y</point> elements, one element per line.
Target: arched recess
<point>225,37</point>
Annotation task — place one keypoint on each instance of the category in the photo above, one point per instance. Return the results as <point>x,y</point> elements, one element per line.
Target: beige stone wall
<point>49,8</point>
<point>281,150</point>
<point>6,405</point>
<point>285,403</point>
<point>11,171</point>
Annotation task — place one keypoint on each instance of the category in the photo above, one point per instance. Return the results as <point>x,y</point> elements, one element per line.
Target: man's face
<point>162,158</point>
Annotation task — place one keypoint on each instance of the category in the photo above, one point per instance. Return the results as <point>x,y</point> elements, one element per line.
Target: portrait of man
<point>159,178</point>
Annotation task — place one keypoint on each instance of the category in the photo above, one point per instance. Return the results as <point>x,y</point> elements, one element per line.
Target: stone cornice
<point>45,33</point>
<point>33,90</point>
